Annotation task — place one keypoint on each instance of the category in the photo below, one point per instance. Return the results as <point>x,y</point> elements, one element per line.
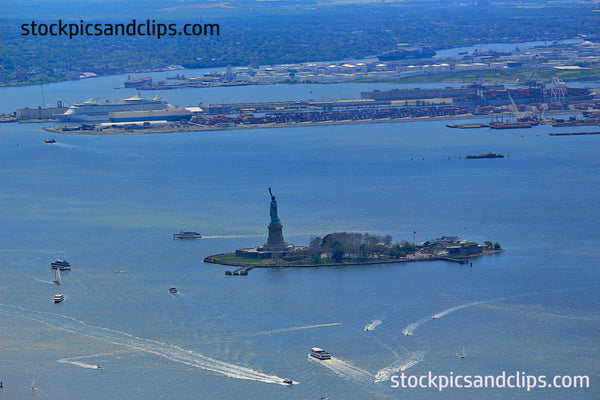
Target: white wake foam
<point>77,360</point>
<point>385,374</point>
<point>78,363</point>
<point>374,324</point>
<point>171,352</point>
<point>229,236</point>
<point>291,329</point>
<point>410,329</point>
<point>460,307</point>
<point>345,369</point>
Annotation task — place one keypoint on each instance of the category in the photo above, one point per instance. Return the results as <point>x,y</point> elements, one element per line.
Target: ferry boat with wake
<point>186,235</point>
<point>486,155</point>
<point>63,265</point>
<point>319,354</point>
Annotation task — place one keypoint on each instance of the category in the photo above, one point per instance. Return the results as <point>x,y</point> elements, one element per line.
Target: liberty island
<point>343,248</point>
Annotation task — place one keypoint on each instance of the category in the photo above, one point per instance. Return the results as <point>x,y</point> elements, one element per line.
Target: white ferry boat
<point>59,298</point>
<point>319,353</point>
<point>95,111</point>
<point>186,235</point>
<point>63,265</point>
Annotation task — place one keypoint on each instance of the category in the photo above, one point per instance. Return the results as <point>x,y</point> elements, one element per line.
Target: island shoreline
<point>243,268</point>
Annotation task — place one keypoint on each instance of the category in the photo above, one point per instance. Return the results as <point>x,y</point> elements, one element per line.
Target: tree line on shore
<point>364,246</point>
<point>358,246</point>
<point>321,34</point>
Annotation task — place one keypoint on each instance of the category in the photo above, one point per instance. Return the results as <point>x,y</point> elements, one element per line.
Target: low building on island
<point>464,249</point>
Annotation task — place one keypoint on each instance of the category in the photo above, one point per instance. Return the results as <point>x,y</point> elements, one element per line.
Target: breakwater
<point>573,133</point>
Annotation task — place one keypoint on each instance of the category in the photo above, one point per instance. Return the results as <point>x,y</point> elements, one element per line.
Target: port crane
<point>558,90</point>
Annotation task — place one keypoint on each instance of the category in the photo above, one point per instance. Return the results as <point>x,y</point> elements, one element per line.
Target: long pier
<point>573,133</point>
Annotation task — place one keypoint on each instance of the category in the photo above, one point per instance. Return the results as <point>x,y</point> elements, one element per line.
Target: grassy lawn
<point>233,258</point>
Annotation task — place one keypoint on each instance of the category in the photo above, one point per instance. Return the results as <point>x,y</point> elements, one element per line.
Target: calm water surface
<point>112,203</point>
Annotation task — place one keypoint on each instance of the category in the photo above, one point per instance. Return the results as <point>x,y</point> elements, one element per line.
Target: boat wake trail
<point>170,352</point>
<point>291,329</point>
<point>410,329</point>
<point>451,310</point>
<point>229,236</point>
<point>42,280</point>
<point>346,370</point>
<point>90,149</point>
<point>374,324</point>
<point>386,373</point>
<point>75,361</point>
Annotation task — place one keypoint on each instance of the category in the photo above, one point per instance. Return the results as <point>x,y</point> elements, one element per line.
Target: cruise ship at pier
<point>98,111</point>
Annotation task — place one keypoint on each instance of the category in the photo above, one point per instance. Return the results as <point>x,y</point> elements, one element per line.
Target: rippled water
<point>111,204</point>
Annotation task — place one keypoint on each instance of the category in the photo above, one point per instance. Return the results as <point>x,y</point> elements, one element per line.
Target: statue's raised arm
<point>273,211</point>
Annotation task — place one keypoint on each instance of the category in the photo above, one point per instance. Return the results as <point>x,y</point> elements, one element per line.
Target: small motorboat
<point>59,298</point>
<point>288,381</point>
<point>173,290</point>
<point>463,354</point>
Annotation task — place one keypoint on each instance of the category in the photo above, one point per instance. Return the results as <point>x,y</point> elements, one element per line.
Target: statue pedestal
<point>275,241</point>
<point>276,247</point>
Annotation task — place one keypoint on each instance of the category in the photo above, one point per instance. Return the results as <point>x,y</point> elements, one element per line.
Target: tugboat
<point>319,354</point>
<point>186,235</point>
<point>59,298</point>
<point>63,265</point>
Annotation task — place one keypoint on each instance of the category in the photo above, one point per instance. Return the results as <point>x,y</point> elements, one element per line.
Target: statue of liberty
<point>273,212</point>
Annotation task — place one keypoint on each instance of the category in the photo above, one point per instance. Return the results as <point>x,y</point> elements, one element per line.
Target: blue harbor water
<point>110,204</point>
